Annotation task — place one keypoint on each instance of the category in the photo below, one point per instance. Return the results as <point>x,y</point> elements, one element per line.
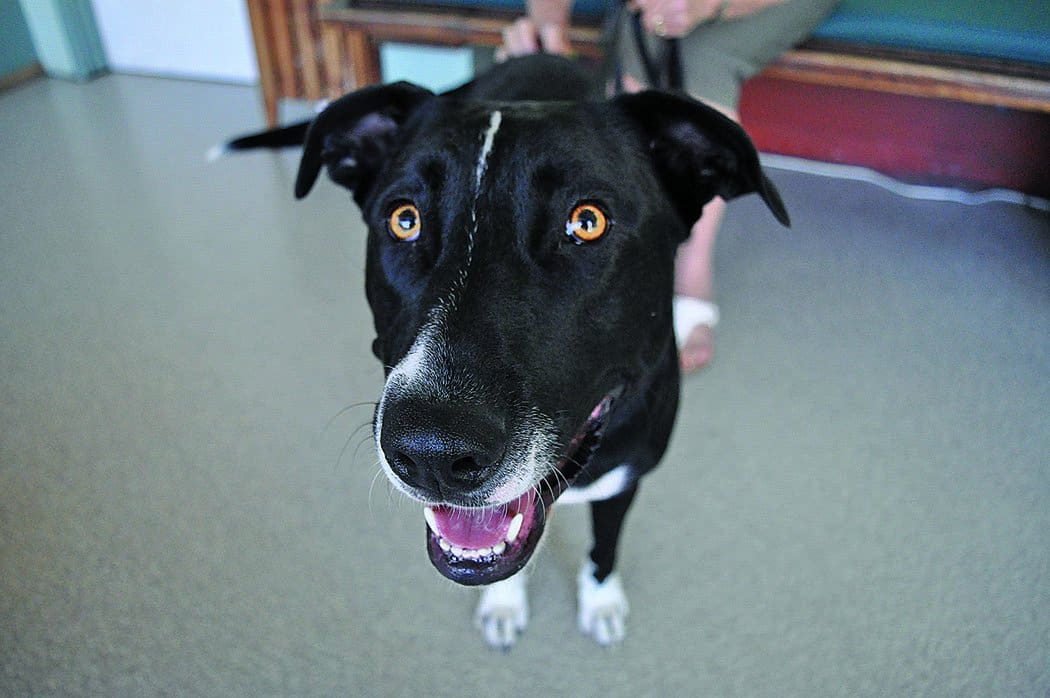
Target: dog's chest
<point>608,485</point>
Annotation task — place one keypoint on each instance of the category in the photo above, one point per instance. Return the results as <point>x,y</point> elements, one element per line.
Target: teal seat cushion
<point>1006,29</point>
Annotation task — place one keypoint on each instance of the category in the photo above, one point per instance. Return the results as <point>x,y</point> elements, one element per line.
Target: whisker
<point>539,498</point>
<point>562,475</point>
<point>364,440</point>
<point>346,444</point>
<point>371,487</point>
<point>343,411</point>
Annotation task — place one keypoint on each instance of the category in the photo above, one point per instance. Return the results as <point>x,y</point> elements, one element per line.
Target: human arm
<point>545,28</point>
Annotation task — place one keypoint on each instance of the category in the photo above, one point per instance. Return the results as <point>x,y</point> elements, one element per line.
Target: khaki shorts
<point>718,57</point>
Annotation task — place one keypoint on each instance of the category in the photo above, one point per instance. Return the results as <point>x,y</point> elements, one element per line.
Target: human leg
<point>717,59</point>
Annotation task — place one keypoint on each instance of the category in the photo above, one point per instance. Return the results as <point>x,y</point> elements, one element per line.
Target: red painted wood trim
<point>915,138</point>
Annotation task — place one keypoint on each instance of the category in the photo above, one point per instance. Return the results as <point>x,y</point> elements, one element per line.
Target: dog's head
<point>520,266</point>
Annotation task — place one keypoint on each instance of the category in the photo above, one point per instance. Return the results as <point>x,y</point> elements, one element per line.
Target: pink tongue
<point>477,528</point>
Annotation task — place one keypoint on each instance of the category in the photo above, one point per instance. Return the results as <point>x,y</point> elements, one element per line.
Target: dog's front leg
<point>603,607</point>
<point>503,611</point>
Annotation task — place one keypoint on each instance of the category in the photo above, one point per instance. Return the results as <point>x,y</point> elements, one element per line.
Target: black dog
<point>520,264</point>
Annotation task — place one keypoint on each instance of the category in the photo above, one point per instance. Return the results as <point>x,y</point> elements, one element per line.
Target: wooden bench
<point>816,101</point>
<point>318,49</point>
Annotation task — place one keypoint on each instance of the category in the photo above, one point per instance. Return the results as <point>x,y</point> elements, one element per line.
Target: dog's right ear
<point>353,135</point>
<point>699,153</point>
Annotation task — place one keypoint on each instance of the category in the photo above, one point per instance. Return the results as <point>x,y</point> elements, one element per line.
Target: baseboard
<point>21,75</point>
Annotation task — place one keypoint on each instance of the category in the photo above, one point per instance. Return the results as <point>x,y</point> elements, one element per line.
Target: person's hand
<point>525,37</point>
<point>675,18</point>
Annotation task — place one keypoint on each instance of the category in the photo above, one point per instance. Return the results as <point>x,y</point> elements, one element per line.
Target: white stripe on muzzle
<point>531,449</point>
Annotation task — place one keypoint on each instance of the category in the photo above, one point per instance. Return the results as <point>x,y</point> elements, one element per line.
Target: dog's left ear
<point>699,153</point>
<point>355,133</point>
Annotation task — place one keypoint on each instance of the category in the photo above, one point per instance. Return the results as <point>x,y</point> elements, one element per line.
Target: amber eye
<point>405,223</point>
<point>587,223</point>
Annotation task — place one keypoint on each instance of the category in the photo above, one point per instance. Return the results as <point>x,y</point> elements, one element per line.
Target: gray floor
<point>856,502</point>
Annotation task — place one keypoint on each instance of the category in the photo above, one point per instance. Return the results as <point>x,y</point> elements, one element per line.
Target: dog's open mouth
<point>485,545</point>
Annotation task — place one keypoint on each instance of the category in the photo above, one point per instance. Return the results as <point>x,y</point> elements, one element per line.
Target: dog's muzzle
<point>442,451</point>
<point>483,544</point>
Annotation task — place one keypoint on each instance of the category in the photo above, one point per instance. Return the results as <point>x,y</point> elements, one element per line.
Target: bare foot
<point>695,320</point>
<point>698,349</point>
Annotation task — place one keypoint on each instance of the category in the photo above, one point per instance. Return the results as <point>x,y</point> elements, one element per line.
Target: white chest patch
<point>608,485</point>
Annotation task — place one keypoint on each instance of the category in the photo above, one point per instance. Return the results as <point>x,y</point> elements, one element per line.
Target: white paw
<point>503,612</point>
<point>603,607</point>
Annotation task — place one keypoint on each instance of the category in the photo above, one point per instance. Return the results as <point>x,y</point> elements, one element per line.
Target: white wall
<point>202,39</point>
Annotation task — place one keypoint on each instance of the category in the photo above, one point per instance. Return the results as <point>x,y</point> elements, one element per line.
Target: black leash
<point>663,71</point>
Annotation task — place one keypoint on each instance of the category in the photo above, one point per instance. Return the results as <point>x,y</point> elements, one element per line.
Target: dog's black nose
<point>441,450</point>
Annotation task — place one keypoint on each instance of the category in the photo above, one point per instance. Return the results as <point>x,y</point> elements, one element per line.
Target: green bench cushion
<point>1006,29</point>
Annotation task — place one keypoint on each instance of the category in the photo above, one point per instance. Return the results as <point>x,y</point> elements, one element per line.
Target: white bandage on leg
<point>691,312</point>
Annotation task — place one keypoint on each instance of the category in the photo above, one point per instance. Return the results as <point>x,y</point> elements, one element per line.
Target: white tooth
<point>444,544</point>
<point>484,552</point>
<point>499,548</point>
<point>515,527</point>
<point>428,514</point>
<point>457,551</point>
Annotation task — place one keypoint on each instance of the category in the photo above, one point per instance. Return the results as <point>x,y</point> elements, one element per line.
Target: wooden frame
<point>297,57</point>
<point>917,74</point>
<point>314,50</point>
<point>367,23</point>
<point>317,49</point>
